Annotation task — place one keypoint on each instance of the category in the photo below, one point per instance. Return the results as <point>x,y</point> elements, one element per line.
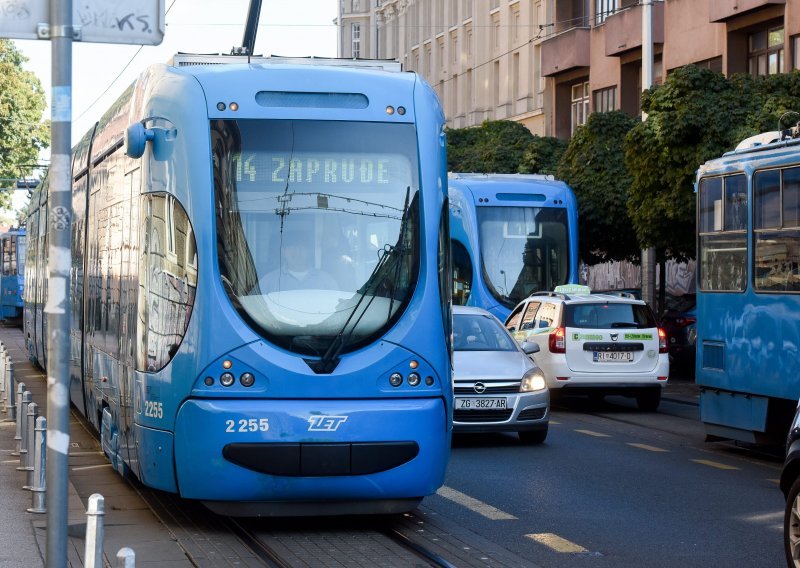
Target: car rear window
<point>603,315</point>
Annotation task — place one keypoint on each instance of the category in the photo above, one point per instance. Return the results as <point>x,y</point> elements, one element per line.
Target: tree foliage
<point>695,116</point>
<point>22,132</point>
<point>495,146</point>
<point>542,155</point>
<point>594,167</point>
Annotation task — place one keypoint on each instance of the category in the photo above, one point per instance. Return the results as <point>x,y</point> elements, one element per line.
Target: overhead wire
<point>111,84</point>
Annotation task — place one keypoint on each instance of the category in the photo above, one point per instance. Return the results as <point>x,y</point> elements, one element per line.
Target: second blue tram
<point>748,291</point>
<point>512,235</point>
<point>12,273</point>
<point>260,287</point>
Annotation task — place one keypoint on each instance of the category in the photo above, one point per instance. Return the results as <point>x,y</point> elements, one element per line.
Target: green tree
<point>22,132</point>
<point>594,166</point>
<point>542,155</point>
<point>493,147</point>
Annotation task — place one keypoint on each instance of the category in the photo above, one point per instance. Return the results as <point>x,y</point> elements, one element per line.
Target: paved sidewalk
<point>128,520</point>
<point>682,390</point>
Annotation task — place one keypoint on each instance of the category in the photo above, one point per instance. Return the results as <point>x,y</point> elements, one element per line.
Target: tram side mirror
<point>136,137</point>
<point>529,348</point>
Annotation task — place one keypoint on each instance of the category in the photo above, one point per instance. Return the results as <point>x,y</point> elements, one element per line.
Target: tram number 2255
<point>247,425</point>
<point>153,409</point>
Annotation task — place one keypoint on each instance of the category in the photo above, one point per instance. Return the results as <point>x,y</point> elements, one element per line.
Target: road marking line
<point>775,481</point>
<point>91,467</point>
<point>474,505</point>
<point>555,422</point>
<point>592,433</point>
<point>715,464</point>
<point>555,542</point>
<point>646,447</point>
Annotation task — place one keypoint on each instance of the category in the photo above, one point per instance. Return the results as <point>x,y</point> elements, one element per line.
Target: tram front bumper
<point>283,450</point>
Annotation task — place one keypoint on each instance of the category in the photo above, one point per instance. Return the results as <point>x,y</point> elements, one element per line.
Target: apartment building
<point>481,56</point>
<point>549,63</point>
<point>593,61</point>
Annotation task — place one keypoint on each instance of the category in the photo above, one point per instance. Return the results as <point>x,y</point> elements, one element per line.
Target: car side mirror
<point>529,348</point>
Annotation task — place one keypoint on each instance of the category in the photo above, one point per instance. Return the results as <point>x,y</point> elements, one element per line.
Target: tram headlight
<point>209,381</point>
<point>227,379</point>
<point>396,379</point>
<point>413,379</point>
<point>247,379</point>
<point>533,380</point>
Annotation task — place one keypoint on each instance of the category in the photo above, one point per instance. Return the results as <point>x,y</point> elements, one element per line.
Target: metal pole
<point>33,414</point>
<point>126,558</point>
<point>22,420</point>
<point>648,254</point>
<point>58,267</point>
<point>3,379</point>
<point>9,378</point>
<point>16,412</point>
<point>39,489</point>
<point>93,553</point>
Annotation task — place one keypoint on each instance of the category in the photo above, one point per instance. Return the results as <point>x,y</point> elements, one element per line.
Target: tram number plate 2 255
<point>481,403</point>
<point>247,425</point>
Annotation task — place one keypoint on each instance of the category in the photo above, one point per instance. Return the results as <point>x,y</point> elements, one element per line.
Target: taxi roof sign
<point>576,289</point>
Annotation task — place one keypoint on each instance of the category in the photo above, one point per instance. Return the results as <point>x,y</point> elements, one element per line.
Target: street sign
<point>96,21</point>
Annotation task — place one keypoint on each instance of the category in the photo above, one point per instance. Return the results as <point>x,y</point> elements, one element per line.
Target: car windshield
<point>476,332</point>
<point>317,227</point>
<point>523,250</point>
<point>604,315</point>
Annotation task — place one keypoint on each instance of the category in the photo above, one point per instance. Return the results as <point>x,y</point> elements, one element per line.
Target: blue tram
<point>12,271</point>
<point>512,234</point>
<point>261,288</point>
<point>748,290</point>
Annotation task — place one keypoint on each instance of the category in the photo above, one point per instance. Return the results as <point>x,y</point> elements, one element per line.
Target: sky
<point>101,72</point>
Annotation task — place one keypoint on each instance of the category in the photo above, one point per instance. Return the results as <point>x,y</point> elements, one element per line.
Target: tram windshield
<point>317,227</point>
<point>523,250</point>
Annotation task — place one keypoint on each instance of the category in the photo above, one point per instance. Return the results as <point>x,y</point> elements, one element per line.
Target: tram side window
<point>167,280</point>
<point>462,274</point>
<point>722,225</point>
<point>776,230</point>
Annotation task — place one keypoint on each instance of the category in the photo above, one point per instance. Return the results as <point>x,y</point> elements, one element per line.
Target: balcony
<point>565,51</point>
<point>722,10</point>
<point>623,30</point>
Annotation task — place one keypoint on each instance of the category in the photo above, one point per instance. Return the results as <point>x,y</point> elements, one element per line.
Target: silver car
<point>497,386</point>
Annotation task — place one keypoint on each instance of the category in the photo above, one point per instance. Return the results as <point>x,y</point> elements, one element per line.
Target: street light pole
<point>648,254</point>
<point>58,268</point>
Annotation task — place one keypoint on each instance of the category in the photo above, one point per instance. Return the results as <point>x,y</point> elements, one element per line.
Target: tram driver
<point>297,270</point>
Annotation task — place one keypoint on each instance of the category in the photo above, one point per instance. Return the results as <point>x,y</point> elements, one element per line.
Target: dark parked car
<point>680,323</point>
<point>790,485</point>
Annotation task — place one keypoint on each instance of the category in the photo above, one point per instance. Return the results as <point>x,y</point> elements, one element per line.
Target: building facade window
<point>765,52</point>
<point>496,31</point>
<point>580,105</point>
<point>796,52</point>
<point>603,9</point>
<point>356,40</point>
<point>605,100</point>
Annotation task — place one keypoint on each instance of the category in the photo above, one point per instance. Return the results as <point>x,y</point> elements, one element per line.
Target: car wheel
<point>533,436</point>
<point>791,525</point>
<point>649,400</point>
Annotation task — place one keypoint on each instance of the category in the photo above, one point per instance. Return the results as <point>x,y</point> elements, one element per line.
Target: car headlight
<point>533,380</point>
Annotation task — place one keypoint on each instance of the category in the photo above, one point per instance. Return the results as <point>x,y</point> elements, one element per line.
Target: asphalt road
<point>613,486</point>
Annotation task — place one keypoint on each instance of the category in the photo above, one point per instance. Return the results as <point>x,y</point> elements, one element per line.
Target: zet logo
<point>322,423</point>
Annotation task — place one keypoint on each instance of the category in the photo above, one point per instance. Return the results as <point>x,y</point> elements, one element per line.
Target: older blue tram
<point>12,270</point>
<point>748,290</point>
<point>260,286</point>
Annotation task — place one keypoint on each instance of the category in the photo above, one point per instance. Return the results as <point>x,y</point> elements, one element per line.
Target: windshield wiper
<point>330,359</point>
<point>625,324</point>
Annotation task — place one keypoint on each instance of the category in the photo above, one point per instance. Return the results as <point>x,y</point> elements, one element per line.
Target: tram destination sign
<point>95,21</point>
